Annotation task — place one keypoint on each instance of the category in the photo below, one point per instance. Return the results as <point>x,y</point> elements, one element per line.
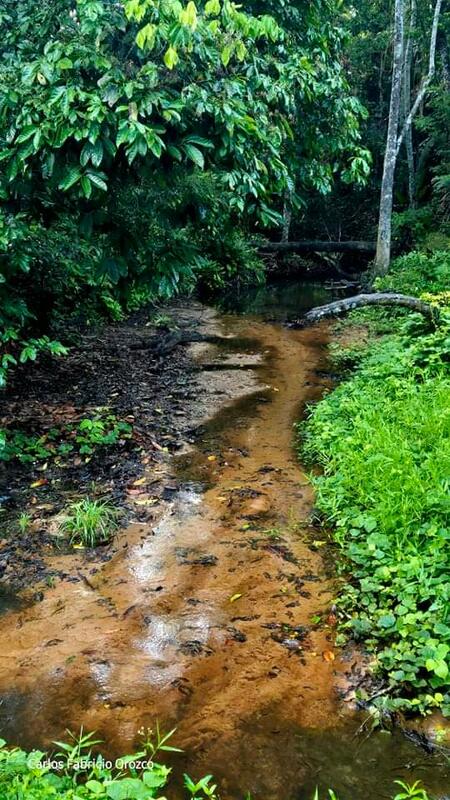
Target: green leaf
<point>71,177</point>
<point>193,139</point>
<point>86,186</point>
<point>64,63</point>
<point>28,353</point>
<point>146,37</point>
<point>171,58</point>
<point>194,154</point>
<point>212,7</point>
<point>26,133</point>
<point>188,16</point>
<point>226,54</point>
<point>387,621</point>
<point>95,787</point>
<point>441,669</point>
<point>98,181</point>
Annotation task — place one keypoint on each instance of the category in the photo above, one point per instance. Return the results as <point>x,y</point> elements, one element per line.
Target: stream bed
<point>217,619</point>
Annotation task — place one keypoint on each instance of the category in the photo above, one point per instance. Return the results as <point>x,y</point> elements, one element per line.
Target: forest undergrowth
<point>382,440</point>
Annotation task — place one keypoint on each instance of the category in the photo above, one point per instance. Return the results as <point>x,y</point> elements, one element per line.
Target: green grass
<point>24,522</point>
<point>382,438</point>
<point>90,522</point>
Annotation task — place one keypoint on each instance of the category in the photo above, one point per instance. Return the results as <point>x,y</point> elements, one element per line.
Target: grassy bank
<point>382,439</point>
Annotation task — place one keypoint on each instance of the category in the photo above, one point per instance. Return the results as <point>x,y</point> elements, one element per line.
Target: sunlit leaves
<point>212,7</point>
<point>226,54</point>
<point>188,16</point>
<point>145,39</point>
<point>135,9</point>
<point>171,57</point>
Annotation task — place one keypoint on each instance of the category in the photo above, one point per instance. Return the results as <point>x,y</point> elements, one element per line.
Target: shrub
<point>417,272</point>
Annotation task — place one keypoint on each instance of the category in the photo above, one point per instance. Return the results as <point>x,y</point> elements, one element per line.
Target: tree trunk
<point>340,307</point>
<point>445,68</point>
<point>287,216</point>
<point>428,78</point>
<point>383,254</point>
<point>407,69</point>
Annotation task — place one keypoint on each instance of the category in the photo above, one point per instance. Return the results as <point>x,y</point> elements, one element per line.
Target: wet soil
<point>214,615</point>
<point>140,373</point>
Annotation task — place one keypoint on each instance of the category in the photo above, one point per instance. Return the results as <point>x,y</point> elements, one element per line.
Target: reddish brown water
<point>207,620</point>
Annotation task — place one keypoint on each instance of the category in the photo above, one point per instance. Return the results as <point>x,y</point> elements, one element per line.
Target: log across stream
<point>217,618</point>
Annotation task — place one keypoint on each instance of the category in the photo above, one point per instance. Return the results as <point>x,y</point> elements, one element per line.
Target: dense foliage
<point>77,772</point>
<point>141,141</point>
<point>383,441</point>
<point>349,213</point>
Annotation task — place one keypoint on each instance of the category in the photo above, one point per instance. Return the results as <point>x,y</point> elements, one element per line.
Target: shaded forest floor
<point>121,371</point>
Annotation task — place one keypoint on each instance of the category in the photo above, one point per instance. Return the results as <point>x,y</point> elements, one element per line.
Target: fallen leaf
<point>40,482</point>
<point>212,458</point>
<point>139,482</point>
<point>235,597</point>
<point>328,655</point>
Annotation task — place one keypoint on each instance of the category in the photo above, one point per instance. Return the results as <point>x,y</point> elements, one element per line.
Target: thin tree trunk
<point>383,254</point>
<point>445,68</point>
<point>287,216</point>
<point>407,69</point>
<point>428,78</point>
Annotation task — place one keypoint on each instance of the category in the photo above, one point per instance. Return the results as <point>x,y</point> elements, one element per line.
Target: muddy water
<point>216,618</point>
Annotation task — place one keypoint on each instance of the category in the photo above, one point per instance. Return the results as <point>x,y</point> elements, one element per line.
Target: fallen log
<point>309,246</point>
<point>340,307</point>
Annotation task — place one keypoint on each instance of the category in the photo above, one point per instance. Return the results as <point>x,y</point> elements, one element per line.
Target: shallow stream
<point>217,619</point>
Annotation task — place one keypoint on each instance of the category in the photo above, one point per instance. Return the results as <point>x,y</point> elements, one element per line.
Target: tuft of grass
<point>90,522</point>
<point>24,522</point>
